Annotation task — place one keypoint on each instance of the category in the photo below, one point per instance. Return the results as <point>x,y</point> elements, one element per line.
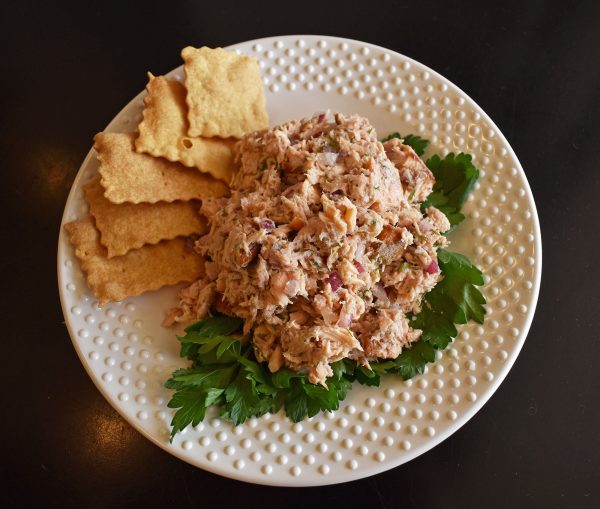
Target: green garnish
<point>455,176</point>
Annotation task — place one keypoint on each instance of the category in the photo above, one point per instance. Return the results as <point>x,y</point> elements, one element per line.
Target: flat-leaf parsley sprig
<point>455,176</point>
<point>224,370</point>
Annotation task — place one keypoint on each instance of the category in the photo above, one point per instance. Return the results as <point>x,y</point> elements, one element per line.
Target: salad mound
<point>275,325</point>
<point>322,248</point>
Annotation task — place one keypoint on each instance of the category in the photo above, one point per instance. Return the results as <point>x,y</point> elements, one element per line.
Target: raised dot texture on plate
<point>375,428</point>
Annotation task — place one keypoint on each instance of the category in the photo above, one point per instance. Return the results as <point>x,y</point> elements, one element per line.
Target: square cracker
<point>131,225</point>
<point>139,178</point>
<point>163,132</point>
<point>225,95</point>
<point>140,270</point>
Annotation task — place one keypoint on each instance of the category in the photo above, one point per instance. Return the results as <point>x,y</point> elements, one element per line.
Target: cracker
<point>140,270</point>
<point>225,94</point>
<point>139,178</point>
<point>163,132</point>
<point>131,225</point>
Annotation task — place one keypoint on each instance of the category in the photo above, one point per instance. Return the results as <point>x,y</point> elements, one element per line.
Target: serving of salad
<point>328,264</point>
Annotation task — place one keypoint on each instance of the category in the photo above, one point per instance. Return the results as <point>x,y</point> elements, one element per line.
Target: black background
<point>67,69</point>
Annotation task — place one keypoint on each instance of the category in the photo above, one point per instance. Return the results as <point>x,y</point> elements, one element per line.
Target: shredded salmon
<point>322,248</point>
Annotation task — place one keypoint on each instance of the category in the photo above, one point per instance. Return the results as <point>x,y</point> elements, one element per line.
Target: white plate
<point>129,355</point>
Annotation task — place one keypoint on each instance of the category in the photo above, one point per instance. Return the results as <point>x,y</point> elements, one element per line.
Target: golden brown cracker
<point>129,226</point>
<point>163,132</point>
<point>140,270</point>
<point>225,95</point>
<point>140,178</point>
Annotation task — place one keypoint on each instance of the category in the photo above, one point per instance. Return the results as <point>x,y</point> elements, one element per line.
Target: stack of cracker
<point>144,206</point>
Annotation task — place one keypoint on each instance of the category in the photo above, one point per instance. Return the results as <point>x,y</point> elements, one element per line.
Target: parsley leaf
<point>418,144</point>
<point>366,376</point>
<point>460,278</point>
<point>282,379</point>
<point>296,402</point>
<point>455,176</point>
<point>412,361</point>
<point>202,332</point>
<point>216,326</point>
<point>242,399</point>
<point>192,403</point>
<point>206,376</point>
<point>309,399</point>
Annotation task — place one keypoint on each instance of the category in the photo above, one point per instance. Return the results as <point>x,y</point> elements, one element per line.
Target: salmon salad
<point>323,247</point>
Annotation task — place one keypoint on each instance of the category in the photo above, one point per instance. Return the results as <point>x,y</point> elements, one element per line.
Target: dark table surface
<point>67,69</point>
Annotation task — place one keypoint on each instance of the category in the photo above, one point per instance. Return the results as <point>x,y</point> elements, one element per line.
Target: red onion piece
<point>321,117</point>
<point>334,280</point>
<point>267,224</point>
<point>359,266</point>
<point>433,268</point>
